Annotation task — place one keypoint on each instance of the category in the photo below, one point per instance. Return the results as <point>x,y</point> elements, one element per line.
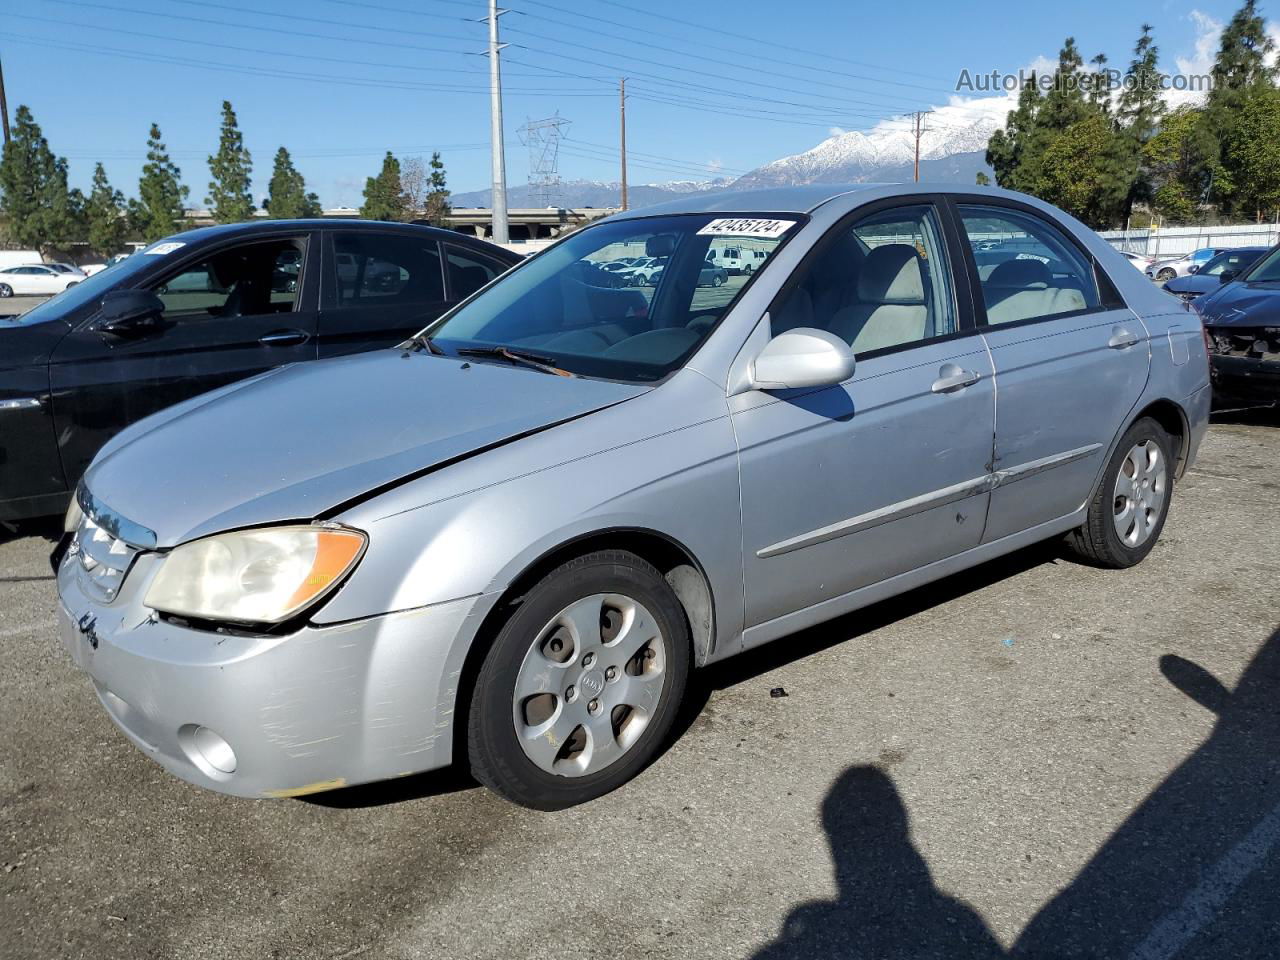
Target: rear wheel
<point>1166,274</point>
<point>717,280</point>
<point>582,684</point>
<point>1128,512</point>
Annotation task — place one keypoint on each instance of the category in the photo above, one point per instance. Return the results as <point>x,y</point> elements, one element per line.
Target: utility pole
<point>920,129</point>
<point>4,107</point>
<point>622,112</point>
<point>499,201</point>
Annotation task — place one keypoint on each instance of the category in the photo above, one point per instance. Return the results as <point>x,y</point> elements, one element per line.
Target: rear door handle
<point>1121,338</point>
<point>283,338</point>
<point>952,378</point>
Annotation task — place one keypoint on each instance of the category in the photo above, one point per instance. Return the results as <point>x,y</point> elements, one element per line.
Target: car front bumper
<point>321,708</point>
<point>1244,381</point>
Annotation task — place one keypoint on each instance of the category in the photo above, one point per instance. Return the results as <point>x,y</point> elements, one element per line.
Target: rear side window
<point>374,270</point>
<point>468,271</point>
<point>1028,268</point>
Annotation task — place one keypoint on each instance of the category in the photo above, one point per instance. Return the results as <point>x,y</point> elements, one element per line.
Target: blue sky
<point>716,87</point>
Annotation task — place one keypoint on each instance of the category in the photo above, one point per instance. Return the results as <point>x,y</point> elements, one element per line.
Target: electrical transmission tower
<point>543,137</point>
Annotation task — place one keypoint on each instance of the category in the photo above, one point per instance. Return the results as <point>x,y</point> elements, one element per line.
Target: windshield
<point>87,290</point>
<point>569,309</point>
<point>1267,269</point>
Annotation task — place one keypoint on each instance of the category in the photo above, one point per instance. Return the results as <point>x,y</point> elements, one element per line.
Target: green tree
<point>1065,102</point>
<point>1085,172</point>
<point>437,204</point>
<point>1254,149</point>
<point>287,196</point>
<point>1181,162</point>
<point>104,213</point>
<point>1008,148</point>
<point>383,199</point>
<point>230,200</point>
<point>38,208</point>
<point>161,196</point>
<point>982,180</point>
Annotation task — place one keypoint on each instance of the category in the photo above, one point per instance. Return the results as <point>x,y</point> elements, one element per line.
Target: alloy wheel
<point>589,685</point>
<point>1141,492</point>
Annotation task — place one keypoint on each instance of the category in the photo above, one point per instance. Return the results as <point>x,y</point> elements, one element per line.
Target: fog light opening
<point>208,751</point>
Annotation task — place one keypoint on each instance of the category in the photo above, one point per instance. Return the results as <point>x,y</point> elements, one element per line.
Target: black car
<point>1242,324</point>
<point>1223,268</point>
<point>199,310</point>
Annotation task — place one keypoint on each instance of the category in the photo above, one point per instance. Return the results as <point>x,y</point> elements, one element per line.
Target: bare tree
<point>415,184</point>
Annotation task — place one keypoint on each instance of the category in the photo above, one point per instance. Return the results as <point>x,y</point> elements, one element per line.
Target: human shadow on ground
<point>1193,871</point>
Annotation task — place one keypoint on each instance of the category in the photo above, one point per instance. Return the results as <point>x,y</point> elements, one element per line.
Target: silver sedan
<point>507,542</point>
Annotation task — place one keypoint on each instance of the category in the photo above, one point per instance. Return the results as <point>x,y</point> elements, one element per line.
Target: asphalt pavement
<point>1034,759</point>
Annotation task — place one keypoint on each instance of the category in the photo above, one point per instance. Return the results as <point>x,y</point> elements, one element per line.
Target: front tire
<point>1128,511</point>
<point>6,290</point>
<point>582,685</point>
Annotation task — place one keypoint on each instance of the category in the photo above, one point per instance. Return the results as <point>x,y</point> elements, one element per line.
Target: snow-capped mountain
<point>951,153</point>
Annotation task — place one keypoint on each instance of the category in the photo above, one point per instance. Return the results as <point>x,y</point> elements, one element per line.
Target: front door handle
<point>952,378</point>
<point>283,338</point>
<point>1121,338</point>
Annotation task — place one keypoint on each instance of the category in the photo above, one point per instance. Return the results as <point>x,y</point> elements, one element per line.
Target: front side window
<point>1232,260</point>
<point>639,323</point>
<point>247,281</point>
<point>380,270</point>
<point>1027,268</point>
<point>884,282</point>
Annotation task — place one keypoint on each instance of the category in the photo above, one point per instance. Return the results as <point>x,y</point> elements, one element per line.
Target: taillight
<point>1208,343</point>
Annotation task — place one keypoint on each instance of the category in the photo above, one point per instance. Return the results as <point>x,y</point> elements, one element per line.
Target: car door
<point>379,288</point>
<point>230,311</point>
<point>849,485</point>
<point>46,280</point>
<point>1070,361</point>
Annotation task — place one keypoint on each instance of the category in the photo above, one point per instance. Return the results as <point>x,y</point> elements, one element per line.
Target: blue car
<point>1223,268</point>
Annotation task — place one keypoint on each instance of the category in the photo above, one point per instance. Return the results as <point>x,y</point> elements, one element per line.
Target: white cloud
<point>836,131</point>
<point>1200,62</point>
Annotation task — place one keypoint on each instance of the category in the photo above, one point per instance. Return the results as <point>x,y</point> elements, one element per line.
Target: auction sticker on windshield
<point>747,227</point>
<point>160,249</point>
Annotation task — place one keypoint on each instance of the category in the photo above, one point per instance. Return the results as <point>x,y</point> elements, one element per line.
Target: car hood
<point>1192,283</point>
<point>1242,304</point>
<point>298,442</point>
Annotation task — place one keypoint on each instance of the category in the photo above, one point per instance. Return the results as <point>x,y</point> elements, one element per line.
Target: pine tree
<point>39,210</point>
<point>1007,148</point>
<point>383,199</point>
<point>1065,103</point>
<point>287,196</point>
<point>1139,112</point>
<point>159,207</point>
<point>437,205</point>
<point>1241,72</point>
<point>104,213</point>
<point>229,198</point>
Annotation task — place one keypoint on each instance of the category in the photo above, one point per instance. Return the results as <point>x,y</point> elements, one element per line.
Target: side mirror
<point>131,313</point>
<point>803,357</point>
<point>1194,268</point>
<point>1226,276</point>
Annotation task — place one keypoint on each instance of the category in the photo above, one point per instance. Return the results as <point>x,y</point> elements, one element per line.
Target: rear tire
<point>1128,511</point>
<point>582,685</point>
<point>1166,275</point>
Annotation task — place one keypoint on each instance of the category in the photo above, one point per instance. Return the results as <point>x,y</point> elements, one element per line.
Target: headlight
<point>254,576</point>
<point>74,515</point>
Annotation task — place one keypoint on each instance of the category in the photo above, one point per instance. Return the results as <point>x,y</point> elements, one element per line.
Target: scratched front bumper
<point>321,708</point>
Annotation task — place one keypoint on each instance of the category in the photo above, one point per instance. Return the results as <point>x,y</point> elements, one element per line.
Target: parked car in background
<point>202,309</point>
<point>1171,267</point>
<point>1141,261</point>
<point>36,279</point>
<point>1242,326</point>
<point>509,544</point>
<point>1223,268</point>
<point>66,268</point>
<point>642,274</point>
<point>734,260</point>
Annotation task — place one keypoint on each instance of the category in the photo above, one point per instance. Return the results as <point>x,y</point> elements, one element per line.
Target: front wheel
<point>717,281</point>
<point>582,685</point>
<point>6,290</point>
<point>1128,511</point>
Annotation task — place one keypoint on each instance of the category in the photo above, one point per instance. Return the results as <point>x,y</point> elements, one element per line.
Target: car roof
<point>264,226</point>
<point>801,199</point>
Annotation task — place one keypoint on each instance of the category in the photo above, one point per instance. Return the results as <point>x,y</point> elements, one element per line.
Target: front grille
<point>1257,343</point>
<point>102,559</point>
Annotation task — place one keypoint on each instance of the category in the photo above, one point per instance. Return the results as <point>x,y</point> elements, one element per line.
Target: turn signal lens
<point>255,576</point>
